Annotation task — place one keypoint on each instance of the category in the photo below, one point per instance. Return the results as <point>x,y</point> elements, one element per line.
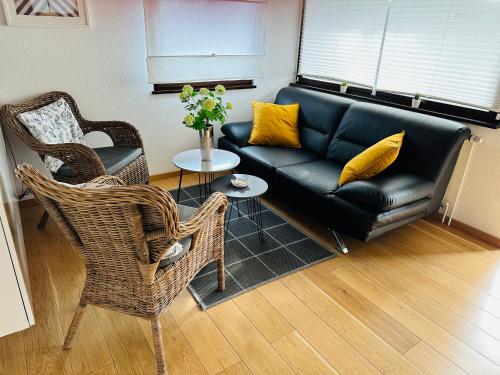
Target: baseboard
<point>161,176</point>
<point>466,228</point>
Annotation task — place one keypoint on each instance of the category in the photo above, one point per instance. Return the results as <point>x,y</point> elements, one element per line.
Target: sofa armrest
<point>386,192</point>
<point>238,132</point>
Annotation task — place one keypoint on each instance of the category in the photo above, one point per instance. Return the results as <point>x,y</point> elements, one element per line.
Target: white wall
<point>479,205</point>
<point>104,68</point>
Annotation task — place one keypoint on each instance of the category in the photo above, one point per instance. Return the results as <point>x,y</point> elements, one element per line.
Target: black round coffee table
<point>252,193</point>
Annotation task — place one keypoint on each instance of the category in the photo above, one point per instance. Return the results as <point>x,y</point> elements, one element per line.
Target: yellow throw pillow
<point>373,160</point>
<point>275,125</point>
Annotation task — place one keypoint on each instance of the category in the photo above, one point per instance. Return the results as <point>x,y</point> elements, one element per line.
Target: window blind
<point>341,39</point>
<point>443,49</point>
<point>199,40</point>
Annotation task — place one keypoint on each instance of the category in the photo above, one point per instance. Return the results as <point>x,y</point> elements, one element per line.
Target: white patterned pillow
<point>53,124</point>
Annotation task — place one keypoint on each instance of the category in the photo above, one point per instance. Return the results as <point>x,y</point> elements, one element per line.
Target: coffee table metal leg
<point>255,214</point>
<point>238,207</point>
<point>259,218</point>
<point>180,184</point>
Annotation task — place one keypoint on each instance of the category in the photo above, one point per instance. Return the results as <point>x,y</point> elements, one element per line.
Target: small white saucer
<point>239,182</point>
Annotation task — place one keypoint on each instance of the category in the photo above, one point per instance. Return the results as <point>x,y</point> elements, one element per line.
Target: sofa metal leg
<point>341,246</point>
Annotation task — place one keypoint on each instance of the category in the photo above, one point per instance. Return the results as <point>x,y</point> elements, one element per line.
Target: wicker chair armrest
<point>121,133</point>
<point>211,210</point>
<point>81,158</point>
<point>215,204</point>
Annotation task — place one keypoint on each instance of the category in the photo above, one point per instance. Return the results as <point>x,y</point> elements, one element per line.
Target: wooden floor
<point>419,300</point>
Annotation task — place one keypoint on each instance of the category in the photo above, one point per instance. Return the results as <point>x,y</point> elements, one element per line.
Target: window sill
<point>451,112</point>
<point>172,88</point>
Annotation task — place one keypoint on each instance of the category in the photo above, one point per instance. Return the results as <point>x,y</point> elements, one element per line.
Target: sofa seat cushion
<point>320,176</point>
<point>113,158</point>
<point>387,192</point>
<point>275,157</point>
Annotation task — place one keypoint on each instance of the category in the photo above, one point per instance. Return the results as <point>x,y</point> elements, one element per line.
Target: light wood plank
<point>108,370</point>
<point>303,358</point>
<point>438,275</point>
<point>432,362</point>
<point>129,348</point>
<point>48,360</point>
<point>252,347</point>
<point>342,356</point>
<point>447,344</point>
<point>237,369</point>
<point>268,321</point>
<point>210,346</point>
<point>376,350</point>
<point>477,268</point>
<point>12,355</point>
<point>89,351</point>
<point>392,332</point>
<point>433,310</point>
<point>448,237</point>
<point>391,262</point>
<point>180,356</point>
<point>43,341</point>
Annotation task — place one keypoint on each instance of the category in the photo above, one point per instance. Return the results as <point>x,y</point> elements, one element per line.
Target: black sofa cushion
<point>427,144</point>
<point>113,158</point>
<point>319,116</point>
<point>274,157</point>
<point>386,192</point>
<point>238,132</point>
<point>320,176</point>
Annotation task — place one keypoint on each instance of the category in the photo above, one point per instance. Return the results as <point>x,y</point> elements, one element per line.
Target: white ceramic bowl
<point>239,182</point>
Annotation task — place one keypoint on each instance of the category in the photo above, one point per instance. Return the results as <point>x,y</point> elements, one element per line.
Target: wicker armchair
<point>123,232</point>
<point>126,159</point>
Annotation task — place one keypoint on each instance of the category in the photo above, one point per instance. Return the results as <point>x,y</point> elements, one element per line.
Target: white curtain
<point>198,40</point>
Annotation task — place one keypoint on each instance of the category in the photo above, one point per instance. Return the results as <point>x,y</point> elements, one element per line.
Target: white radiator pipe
<point>474,140</point>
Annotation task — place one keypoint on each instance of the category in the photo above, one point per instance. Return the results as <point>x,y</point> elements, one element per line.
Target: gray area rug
<point>250,262</point>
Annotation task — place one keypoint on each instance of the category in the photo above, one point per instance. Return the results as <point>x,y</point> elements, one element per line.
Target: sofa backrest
<point>429,146</point>
<point>319,118</point>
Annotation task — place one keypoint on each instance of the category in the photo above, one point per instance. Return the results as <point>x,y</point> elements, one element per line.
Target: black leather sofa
<point>333,129</point>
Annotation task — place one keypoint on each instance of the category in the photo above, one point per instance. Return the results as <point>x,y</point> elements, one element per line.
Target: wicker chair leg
<point>74,325</point>
<point>43,220</point>
<point>159,352</point>
<point>221,275</point>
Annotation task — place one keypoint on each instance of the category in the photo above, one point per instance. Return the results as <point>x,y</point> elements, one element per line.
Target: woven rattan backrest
<point>106,224</point>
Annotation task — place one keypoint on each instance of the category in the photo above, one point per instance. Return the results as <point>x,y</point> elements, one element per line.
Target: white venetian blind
<point>447,49</point>
<point>201,40</point>
<point>443,49</point>
<point>341,39</point>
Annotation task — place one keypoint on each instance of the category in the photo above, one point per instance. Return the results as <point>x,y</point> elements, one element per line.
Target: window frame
<point>451,111</point>
<point>172,88</point>
<point>448,111</point>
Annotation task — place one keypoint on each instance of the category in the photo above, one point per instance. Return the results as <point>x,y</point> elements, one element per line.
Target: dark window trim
<point>434,108</point>
<point>170,88</point>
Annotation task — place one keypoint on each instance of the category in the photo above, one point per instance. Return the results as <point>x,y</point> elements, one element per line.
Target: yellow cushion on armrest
<point>373,160</point>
